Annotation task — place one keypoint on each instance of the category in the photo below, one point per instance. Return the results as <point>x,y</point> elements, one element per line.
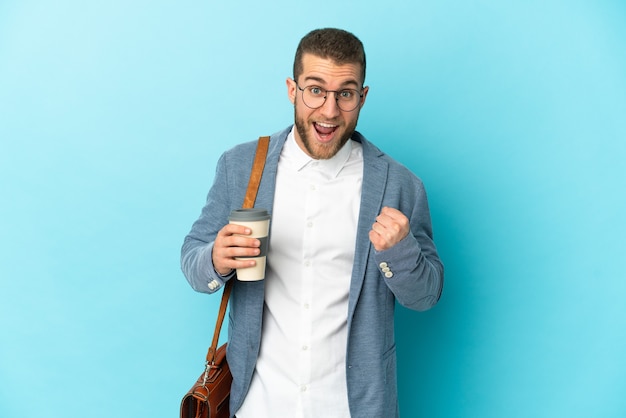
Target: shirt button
<point>309,224</point>
<point>304,348</point>
<point>307,263</point>
<point>382,265</point>
<point>303,388</point>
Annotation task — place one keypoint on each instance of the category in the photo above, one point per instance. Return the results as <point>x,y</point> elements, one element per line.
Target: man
<point>350,235</point>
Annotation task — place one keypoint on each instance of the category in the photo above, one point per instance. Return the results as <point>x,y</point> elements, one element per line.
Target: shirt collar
<point>301,160</point>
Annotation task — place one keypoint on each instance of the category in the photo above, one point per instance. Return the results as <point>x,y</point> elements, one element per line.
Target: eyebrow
<point>322,81</point>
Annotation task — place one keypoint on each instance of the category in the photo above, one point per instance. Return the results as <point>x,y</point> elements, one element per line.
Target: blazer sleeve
<point>196,252</point>
<point>412,268</point>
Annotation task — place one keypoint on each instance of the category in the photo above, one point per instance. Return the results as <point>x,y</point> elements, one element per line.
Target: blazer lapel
<point>375,171</point>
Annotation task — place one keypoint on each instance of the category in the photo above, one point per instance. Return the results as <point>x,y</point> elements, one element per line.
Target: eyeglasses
<point>314,97</point>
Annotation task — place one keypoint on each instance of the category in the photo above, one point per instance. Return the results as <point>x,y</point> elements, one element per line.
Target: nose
<point>330,108</point>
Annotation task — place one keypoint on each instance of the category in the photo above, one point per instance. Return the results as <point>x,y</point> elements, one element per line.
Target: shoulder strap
<point>257,172</point>
<point>253,186</point>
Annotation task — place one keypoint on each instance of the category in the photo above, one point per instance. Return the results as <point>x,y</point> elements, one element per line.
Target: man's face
<point>323,131</point>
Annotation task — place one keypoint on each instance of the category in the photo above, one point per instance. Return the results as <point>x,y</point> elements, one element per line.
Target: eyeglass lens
<point>315,97</point>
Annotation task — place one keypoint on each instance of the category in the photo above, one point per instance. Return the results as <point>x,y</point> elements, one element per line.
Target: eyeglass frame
<point>359,93</point>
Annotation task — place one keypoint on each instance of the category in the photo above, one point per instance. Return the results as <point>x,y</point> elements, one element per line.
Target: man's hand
<point>231,242</point>
<point>391,227</point>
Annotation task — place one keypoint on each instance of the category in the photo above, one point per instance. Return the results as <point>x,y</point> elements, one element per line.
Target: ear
<point>291,90</point>
<point>365,90</point>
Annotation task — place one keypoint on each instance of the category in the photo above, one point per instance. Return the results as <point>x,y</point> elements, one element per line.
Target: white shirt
<point>301,371</point>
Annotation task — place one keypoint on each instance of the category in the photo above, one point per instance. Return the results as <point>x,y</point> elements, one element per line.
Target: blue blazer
<point>416,283</point>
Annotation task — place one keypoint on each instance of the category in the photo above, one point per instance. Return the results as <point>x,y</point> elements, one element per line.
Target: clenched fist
<point>391,227</point>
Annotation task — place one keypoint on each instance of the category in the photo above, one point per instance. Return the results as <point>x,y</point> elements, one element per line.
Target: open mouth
<point>324,131</point>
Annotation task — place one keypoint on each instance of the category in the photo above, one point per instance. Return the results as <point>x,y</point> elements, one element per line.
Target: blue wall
<point>113,114</point>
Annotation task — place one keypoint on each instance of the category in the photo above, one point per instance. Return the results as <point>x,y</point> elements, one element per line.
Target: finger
<point>378,241</point>
<point>230,264</point>
<point>237,241</point>
<point>394,215</point>
<point>386,225</point>
<point>231,242</point>
<point>384,230</point>
<point>239,263</point>
<point>383,219</point>
<point>232,235</point>
<point>232,252</point>
<point>379,225</point>
<point>227,258</point>
<point>234,229</point>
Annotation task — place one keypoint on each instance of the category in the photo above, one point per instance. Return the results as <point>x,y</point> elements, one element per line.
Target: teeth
<point>326,125</point>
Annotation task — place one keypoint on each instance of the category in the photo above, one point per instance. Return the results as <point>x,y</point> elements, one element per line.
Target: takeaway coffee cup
<point>258,220</point>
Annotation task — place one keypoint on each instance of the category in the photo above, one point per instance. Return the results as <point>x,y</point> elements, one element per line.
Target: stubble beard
<point>321,151</point>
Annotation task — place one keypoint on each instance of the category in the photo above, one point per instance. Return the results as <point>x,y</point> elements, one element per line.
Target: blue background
<point>112,117</point>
